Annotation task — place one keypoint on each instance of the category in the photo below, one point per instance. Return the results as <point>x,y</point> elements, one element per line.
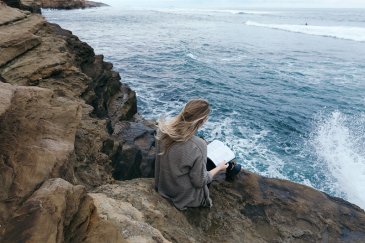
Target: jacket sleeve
<point>199,176</point>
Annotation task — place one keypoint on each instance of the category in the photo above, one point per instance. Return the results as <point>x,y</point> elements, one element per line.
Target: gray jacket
<point>181,174</point>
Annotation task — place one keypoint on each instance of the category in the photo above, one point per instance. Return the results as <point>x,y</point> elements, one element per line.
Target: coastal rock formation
<point>36,141</point>
<point>59,212</point>
<point>68,126</point>
<point>70,4</point>
<point>33,6</point>
<point>251,209</point>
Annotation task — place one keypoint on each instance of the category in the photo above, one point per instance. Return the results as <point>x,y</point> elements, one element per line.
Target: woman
<point>180,169</point>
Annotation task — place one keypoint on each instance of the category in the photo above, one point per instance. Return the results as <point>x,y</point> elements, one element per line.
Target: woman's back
<point>181,174</point>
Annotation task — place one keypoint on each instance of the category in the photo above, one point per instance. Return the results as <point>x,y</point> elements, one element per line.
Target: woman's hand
<point>221,167</point>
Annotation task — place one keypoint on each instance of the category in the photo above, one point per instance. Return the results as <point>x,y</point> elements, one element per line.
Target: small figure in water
<point>306,23</point>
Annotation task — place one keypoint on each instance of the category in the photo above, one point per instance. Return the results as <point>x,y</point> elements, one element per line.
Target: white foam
<point>339,141</point>
<point>192,56</point>
<point>246,144</point>
<point>340,32</point>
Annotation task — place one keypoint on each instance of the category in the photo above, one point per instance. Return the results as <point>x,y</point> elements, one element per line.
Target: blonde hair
<point>183,126</point>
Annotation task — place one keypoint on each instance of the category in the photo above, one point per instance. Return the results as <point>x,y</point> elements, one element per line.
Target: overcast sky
<point>237,3</point>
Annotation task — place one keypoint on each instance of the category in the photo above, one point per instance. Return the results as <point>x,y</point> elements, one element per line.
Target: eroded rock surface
<point>59,212</point>
<point>251,209</point>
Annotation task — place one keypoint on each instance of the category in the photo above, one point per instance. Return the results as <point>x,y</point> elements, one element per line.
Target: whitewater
<point>288,98</point>
<point>341,32</point>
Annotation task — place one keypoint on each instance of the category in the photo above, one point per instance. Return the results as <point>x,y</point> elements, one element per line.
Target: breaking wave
<point>339,141</point>
<point>340,32</point>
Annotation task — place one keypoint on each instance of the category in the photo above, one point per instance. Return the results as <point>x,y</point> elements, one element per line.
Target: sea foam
<point>340,32</point>
<point>339,141</point>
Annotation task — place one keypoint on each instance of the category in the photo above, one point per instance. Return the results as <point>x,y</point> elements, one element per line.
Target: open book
<point>218,151</point>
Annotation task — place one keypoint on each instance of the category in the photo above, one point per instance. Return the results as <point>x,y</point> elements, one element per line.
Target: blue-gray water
<point>287,97</point>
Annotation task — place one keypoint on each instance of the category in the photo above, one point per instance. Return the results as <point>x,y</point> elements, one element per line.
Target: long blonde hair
<point>183,126</point>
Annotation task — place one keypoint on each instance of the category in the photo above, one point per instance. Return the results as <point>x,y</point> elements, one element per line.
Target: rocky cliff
<point>69,128</point>
<point>36,5</point>
<point>70,4</point>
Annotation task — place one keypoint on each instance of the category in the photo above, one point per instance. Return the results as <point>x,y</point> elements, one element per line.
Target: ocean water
<point>287,87</point>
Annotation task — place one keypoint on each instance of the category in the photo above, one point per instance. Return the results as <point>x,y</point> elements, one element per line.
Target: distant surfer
<point>306,23</point>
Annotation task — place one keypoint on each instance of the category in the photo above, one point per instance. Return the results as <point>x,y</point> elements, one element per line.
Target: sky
<point>237,3</point>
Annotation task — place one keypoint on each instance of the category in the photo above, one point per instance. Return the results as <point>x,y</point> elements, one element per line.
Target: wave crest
<point>340,32</point>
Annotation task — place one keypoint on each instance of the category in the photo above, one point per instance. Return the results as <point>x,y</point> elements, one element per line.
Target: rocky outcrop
<point>36,53</point>
<point>59,212</point>
<point>70,4</point>
<point>33,6</point>
<point>36,141</point>
<point>56,100</point>
<point>251,209</point>
<point>68,126</point>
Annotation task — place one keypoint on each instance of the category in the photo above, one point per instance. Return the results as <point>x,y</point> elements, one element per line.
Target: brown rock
<point>251,209</point>
<point>63,4</point>
<point>70,68</point>
<point>18,39</point>
<point>36,140</point>
<point>29,5</point>
<point>59,212</point>
<point>70,4</point>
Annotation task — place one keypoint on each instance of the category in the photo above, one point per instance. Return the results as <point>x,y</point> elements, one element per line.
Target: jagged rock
<point>36,141</point>
<point>251,209</point>
<point>134,157</point>
<point>70,68</point>
<point>58,212</point>
<point>18,39</point>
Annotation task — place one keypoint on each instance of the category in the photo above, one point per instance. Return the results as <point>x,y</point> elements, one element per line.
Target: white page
<point>218,151</point>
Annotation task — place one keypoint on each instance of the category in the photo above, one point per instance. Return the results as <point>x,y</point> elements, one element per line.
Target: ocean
<point>287,86</point>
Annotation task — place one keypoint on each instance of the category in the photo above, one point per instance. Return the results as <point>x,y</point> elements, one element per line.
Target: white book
<point>218,151</point>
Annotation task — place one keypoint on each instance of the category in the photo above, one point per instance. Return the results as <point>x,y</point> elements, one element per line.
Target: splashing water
<point>339,141</point>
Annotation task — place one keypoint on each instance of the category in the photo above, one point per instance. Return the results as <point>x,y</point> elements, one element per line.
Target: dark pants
<point>210,165</point>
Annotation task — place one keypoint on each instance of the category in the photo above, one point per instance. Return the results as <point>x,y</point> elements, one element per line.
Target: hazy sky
<point>238,3</point>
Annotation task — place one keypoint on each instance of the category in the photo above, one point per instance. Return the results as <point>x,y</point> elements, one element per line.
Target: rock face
<point>55,95</point>
<point>68,126</point>
<point>37,138</point>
